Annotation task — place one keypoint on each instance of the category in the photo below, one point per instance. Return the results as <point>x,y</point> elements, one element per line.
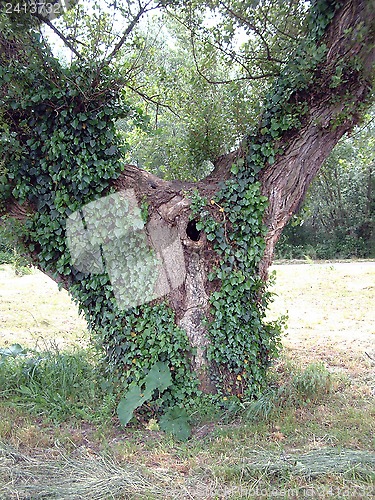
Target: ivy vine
<point>61,150</point>
<point>242,343</point>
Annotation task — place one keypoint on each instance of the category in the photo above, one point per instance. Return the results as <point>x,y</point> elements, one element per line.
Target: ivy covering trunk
<point>61,151</point>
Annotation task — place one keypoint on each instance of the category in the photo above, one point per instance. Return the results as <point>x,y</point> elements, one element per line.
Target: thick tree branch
<point>332,112</point>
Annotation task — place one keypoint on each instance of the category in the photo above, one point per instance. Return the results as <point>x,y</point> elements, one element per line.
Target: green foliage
<point>158,378</point>
<point>65,152</point>
<point>13,351</point>
<point>63,384</point>
<point>301,387</point>
<point>194,122</point>
<point>337,219</point>
<point>61,150</point>
<point>134,340</point>
<point>281,115</point>
<point>12,251</point>
<point>175,421</point>
<point>251,37</point>
<point>313,384</point>
<point>242,344</point>
<point>134,398</point>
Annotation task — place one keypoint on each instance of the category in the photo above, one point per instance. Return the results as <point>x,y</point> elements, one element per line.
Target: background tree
<point>61,151</point>
<point>193,121</point>
<point>337,217</point>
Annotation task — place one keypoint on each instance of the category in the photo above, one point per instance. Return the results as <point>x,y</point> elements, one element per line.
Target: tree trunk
<point>332,110</point>
<point>169,207</point>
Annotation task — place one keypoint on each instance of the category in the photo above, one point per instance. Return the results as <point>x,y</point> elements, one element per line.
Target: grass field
<point>316,439</point>
<point>33,311</point>
<point>331,313</point>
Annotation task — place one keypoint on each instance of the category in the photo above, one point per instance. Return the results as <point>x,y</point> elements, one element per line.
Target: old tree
<point>203,248</point>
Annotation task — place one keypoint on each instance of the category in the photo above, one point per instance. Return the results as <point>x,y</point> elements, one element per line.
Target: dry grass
<point>74,477</point>
<point>33,311</point>
<point>88,476</point>
<point>330,307</point>
<point>331,315</point>
<point>322,450</point>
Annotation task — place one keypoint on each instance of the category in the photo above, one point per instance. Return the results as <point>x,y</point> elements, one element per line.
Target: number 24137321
<point>33,7</point>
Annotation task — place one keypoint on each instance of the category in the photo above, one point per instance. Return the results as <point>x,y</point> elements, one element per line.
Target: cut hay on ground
<point>94,477</point>
<point>85,476</point>
<point>311,464</point>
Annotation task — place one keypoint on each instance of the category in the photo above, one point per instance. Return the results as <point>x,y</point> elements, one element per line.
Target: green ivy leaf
<point>234,169</point>
<point>110,151</point>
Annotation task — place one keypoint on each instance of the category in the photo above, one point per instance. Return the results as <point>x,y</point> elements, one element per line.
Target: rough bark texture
<point>332,113</point>
<point>169,203</point>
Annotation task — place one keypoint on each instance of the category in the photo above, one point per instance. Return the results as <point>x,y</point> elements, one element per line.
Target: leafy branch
<point>59,34</point>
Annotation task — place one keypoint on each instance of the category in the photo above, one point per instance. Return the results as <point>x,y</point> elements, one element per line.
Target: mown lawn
<point>312,436</point>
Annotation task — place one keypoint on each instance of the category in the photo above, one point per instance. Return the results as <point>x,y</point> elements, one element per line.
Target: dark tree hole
<point>192,231</point>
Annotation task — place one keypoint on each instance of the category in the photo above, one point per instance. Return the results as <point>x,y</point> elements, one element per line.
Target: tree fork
<point>331,109</point>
